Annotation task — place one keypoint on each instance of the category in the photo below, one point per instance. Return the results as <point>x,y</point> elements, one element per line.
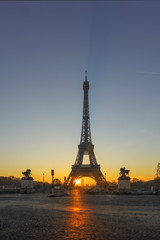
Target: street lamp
<point>52,174</point>
<point>43,182</point>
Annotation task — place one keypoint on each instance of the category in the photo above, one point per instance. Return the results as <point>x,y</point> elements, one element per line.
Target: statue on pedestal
<point>27,182</point>
<point>124,174</point>
<point>124,179</point>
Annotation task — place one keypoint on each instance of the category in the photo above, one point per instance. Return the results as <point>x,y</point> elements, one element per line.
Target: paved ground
<point>109,217</point>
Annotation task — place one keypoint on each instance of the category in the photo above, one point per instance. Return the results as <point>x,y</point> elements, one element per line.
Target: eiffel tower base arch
<point>86,170</point>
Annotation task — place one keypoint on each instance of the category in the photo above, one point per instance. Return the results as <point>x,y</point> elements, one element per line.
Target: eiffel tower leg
<point>79,158</point>
<point>100,179</point>
<point>92,158</point>
<point>70,179</point>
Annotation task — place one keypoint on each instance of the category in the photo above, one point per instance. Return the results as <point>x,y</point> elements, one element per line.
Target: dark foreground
<point>109,217</point>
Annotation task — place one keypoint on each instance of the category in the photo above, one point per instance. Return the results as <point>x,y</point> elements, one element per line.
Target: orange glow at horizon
<point>37,174</point>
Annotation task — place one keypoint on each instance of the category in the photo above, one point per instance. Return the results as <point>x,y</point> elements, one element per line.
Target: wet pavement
<point>79,216</point>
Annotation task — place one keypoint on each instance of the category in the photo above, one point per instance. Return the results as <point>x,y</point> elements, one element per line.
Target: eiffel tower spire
<point>86,148</point>
<point>86,132</point>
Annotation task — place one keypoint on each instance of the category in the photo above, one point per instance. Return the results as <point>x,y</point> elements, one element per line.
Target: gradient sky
<point>45,48</point>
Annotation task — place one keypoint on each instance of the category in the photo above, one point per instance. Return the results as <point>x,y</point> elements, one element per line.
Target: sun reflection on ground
<point>78,216</point>
<point>76,202</point>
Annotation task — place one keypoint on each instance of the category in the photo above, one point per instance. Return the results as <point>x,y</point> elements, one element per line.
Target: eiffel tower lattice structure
<point>86,147</point>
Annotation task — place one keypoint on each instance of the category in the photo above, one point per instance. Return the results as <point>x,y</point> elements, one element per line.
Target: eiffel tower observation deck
<point>86,147</point>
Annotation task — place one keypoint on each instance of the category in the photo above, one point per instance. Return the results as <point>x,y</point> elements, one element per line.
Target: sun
<point>78,181</point>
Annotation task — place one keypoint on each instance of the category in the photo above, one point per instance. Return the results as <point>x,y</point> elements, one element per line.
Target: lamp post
<point>52,174</point>
<point>43,182</point>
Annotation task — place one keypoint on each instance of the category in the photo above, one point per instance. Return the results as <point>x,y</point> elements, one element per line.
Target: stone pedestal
<point>124,184</point>
<point>27,185</point>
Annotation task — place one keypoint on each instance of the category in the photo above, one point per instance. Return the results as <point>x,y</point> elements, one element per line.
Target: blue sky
<point>45,49</point>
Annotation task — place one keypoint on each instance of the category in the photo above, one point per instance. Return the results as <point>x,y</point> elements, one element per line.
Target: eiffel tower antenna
<point>86,147</point>
<point>86,75</point>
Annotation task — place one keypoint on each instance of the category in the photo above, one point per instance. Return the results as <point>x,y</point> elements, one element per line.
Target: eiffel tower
<point>86,147</point>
